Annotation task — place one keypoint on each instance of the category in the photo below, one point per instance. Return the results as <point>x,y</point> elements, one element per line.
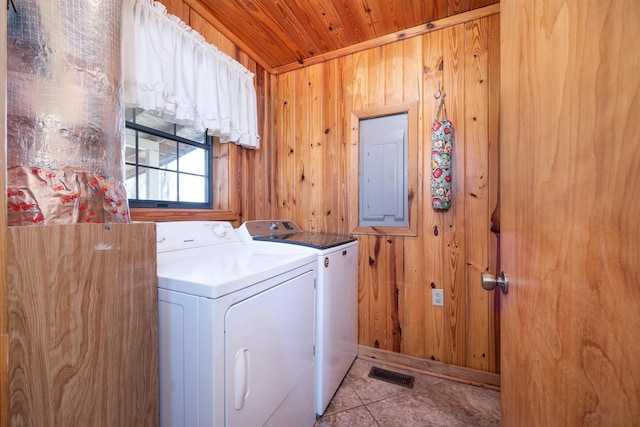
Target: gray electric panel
<point>384,171</point>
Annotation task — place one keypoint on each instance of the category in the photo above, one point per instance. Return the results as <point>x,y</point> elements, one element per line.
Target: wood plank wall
<point>303,169</point>
<point>311,170</point>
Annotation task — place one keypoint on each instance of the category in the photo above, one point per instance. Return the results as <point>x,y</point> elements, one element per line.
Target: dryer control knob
<point>219,230</point>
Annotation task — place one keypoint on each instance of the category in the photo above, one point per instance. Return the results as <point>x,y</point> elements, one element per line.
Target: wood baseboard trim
<point>461,374</point>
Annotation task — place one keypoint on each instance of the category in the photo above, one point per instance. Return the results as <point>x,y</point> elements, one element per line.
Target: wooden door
<point>570,211</point>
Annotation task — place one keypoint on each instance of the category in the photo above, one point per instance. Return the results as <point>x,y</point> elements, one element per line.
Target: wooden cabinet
<point>82,321</point>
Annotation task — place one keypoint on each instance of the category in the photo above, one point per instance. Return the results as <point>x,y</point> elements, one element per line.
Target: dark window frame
<point>163,204</point>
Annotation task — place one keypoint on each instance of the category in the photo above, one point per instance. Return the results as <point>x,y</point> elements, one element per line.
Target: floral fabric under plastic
<point>441,156</point>
<point>39,196</point>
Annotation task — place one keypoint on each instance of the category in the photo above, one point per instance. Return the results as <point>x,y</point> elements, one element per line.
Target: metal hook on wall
<point>439,94</point>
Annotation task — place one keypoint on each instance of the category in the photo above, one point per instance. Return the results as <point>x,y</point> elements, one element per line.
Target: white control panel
<point>178,235</point>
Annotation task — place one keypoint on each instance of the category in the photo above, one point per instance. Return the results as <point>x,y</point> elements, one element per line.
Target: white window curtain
<point>170,68</point>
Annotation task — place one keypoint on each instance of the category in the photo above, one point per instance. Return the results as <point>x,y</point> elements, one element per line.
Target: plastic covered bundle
<point>65,122</point>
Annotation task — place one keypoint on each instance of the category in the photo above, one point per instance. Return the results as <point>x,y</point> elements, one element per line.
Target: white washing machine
<point>337,296</point>
<point>236,329</point>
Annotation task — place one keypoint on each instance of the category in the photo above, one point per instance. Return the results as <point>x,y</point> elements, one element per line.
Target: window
<point>166,165</point>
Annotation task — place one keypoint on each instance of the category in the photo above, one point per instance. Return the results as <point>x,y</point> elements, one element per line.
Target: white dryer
<point>236,329</point>
<point>337,296</point>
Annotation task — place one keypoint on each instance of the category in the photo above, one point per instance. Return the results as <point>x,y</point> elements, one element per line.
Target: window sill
<point>385,231</point>
<point>163,215</point>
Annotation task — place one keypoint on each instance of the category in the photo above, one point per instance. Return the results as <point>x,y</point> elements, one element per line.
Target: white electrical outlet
<point>437,297</point>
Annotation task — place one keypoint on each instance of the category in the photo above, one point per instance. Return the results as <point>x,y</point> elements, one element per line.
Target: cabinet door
<point>269,360</point>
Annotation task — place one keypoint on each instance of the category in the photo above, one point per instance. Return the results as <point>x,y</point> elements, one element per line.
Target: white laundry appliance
<point>337,296</point>
<point>236,329</point>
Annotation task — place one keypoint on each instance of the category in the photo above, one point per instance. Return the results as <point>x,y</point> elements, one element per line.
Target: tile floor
<point>362,402</point>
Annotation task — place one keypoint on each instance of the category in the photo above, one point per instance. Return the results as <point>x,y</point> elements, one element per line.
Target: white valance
<point>170,68</point>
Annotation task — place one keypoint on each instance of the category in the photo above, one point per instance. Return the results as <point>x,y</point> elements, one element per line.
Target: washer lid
<point>309,238</point>
<point>283,231</point>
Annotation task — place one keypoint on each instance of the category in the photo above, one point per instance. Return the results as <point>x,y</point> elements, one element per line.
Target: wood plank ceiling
<point>282,33</point>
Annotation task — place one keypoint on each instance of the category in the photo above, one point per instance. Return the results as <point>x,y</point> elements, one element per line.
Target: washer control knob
<point>219,230</point>
<point>273,226</point>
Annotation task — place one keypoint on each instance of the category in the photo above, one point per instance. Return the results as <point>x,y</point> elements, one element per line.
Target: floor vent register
<point>392,377</point>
